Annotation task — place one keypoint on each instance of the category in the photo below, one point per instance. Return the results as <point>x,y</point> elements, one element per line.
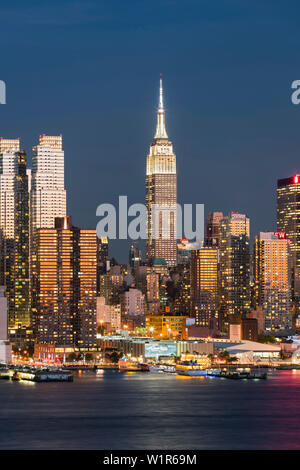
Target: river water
<point>113,410</point>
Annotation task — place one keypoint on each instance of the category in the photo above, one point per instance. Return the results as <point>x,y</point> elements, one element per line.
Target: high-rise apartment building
<point>133,302</point>
<point>6,145</point>
<point>8,170</point>
<point>102,257</point>
<point>48,195</point>
<point>234,267</point>
<point>161,193</point>
<point>14,227</point>
<point>272,283</point>
<point>20,317</point>
<point>288,221</point>
<point>204,286</point>
<point>213,222</point>
<point>64,285</point>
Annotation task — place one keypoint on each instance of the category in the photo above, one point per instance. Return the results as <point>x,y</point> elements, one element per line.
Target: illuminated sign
<point>159,348</point>
<point>280,235</point>
<point>296,179</point>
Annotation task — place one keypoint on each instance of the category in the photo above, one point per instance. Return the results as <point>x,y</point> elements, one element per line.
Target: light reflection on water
<point>112,410</point>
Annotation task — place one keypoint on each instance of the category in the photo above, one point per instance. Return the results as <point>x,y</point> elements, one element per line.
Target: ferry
<point>43,375</point>
<point>190,368</point>
<point>193,365</point>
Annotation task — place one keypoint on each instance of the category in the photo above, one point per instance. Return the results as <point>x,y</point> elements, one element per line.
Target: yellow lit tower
<point>161,193</point>
<point>272,281</point>
<point>288,221</point>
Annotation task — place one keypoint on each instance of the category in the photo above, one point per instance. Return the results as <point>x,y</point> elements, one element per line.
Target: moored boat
<point>131,366</point>
<point>5,374</point>
<point>191,369</point>
<point>43,375</point>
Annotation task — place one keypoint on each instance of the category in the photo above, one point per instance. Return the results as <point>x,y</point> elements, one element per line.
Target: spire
<point>161,132</point>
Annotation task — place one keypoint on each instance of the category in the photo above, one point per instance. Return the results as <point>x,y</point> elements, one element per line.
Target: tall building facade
<point>8,170</point>
<point>14,229</point>
<point>204,286</point>
<point>48,195</point>
<point>161,193</point>
<point>64,285</point>
<point>102,257</point>
<point>234,246</point>
<point>272,283</point>
<point>288,221</point>
<point>20,317</point>
<point>213,223</point>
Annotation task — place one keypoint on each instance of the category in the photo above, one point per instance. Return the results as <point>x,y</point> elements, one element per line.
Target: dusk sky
<point>90,70</point>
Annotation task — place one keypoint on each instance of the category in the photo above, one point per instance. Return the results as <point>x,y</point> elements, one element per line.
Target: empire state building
<point>161,193</point>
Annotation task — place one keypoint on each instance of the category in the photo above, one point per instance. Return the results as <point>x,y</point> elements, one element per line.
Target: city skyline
<point>149,229</point>
<point>15,141</point>
<point>230,114</point>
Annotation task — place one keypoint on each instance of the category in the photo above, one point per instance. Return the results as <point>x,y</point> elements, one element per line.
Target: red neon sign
<point>296,179</point>
<point>280,235</point>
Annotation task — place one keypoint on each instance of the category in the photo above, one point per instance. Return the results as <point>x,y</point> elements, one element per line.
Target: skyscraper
<point>288,221</point>
<point>6,145</point>
<point>64,285</point>
<point>8,166</point>
<point>48,195</point>
<point>272,285</point>
<point>234,267</point>
<point>161,193</point>
<point>20,315</point>
<point>213,222</point>
<point>14,226</point>
<point>204,286</point>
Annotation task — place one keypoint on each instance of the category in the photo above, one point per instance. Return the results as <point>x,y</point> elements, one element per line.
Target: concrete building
<point>108,316</point>
<point>166,326</point>
<point>133,302</point>
<point>241,328</point>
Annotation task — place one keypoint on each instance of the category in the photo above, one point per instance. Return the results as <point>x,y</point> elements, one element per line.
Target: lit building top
<point>53,141</point>
<point>161,158</point>
<point>7,145</point>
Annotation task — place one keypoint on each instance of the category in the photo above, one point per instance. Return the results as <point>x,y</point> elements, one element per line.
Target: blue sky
<point>90,71</point>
